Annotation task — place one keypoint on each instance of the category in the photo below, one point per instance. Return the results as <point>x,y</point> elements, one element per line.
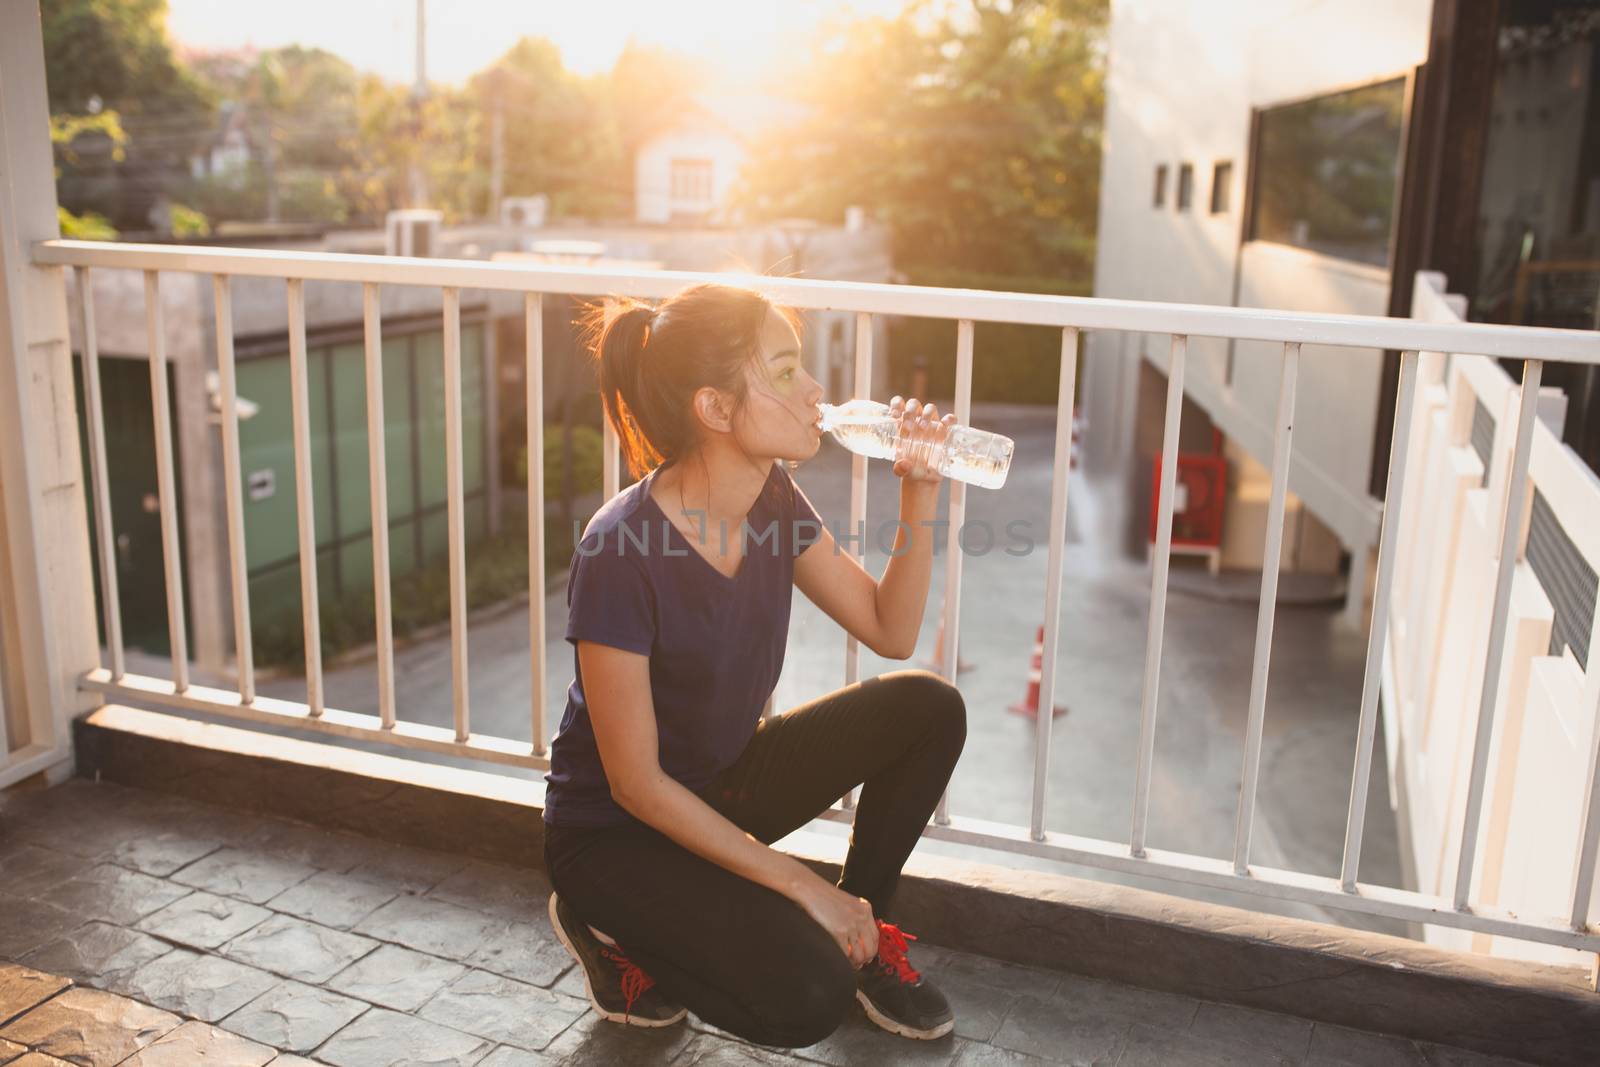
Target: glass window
<point>473,425</point>
<point>1221,187</point>
<point>350,438</point>
<point>430,418</point>
<point>1185,186</point>
<point>266,456</point>
<point>1161,185</point>
<point>397,427</point>
<point>1327,172</point>
<point>431,414</point>
<point>1539,225</point>
<point>691,180</point>
<point>1538,214</point>
<point>322,487</point>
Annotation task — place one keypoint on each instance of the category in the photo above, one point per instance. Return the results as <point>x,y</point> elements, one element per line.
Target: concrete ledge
<point>1353,978</point>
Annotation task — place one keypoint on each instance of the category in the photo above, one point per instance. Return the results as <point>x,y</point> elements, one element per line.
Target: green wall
<point>414,433</point>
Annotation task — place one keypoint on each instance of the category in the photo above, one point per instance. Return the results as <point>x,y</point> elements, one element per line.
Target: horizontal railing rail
<point>1029,309</point>
<point>1070,314</point>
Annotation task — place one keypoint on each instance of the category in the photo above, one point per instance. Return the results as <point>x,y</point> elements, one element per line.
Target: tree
<point>116,52</point>
<point>560,137</point>
<point>299,108</point>
<point>113,57</point>
<point>972,129</point>
<point>648,89</point>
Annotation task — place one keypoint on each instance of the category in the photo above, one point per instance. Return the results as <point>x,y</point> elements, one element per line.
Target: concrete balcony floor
<point>139,928</point>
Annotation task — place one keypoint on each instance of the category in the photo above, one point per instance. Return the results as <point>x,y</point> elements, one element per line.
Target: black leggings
<point>739,955</point>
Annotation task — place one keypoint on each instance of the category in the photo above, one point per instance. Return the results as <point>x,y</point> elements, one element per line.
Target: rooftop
<point>134,920</point>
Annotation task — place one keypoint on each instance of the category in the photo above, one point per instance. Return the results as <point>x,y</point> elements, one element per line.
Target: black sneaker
<point>896,996</point>
<point>617,988</point>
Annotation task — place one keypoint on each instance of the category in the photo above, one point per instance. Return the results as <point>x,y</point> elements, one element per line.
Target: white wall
<point>1337,388</point>
<point>1182,80</point>
<point>653,170</point>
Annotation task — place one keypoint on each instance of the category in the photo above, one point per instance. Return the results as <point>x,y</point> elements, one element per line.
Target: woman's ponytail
<point>652,361</point>
<point>619,350</point>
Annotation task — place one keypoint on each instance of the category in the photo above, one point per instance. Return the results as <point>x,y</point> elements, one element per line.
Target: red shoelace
<point>634,980</point>
<point>892,951</point>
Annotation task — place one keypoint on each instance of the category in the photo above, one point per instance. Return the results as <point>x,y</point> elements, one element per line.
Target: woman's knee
<point>935,700</point>
<point>810,1004</point>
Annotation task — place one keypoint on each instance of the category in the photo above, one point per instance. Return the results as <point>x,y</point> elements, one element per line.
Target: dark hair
<point>651,361</point>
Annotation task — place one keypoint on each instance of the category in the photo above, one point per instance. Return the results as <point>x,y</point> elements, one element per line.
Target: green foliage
<point>110,69</point>
<point>587,463</point>
<point>66,129</point>
<point>187,222</point>
<point>90,226</point>
<point>330,144</point>
<point>972,130</point>
<point>970,127</point>
<point>1020,364</point>
<point>114,53</point>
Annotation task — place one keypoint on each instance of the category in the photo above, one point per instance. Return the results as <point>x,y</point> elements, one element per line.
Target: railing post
<point>47,609</point>
<point>858,500</point>
<point>533,374</point>
<point>1161,558</point>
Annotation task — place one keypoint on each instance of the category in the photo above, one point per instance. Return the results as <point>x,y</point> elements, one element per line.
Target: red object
<point>1202,496</point>
<point>892,948</point>
<point>1030,704</point>
<point>634,981</point>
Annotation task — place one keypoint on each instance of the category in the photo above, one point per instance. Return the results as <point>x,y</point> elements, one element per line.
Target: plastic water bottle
<point>867,428</point>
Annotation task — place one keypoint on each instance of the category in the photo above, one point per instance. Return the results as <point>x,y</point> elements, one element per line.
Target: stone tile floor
<point>142,929</point>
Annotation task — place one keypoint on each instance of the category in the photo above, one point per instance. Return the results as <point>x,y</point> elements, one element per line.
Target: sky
<point>741,39</point>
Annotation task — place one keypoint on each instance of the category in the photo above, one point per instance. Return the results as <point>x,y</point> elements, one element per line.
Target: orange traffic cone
<point>936,664</point>
<point>1030,704</point>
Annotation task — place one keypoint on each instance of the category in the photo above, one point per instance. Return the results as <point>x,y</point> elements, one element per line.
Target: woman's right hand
<point>849,920</point>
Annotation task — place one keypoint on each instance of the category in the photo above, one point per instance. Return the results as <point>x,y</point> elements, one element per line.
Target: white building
<point>684,172</point>
<point>1307,156</point>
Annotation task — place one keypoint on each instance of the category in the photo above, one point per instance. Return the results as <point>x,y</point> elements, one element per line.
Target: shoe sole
<point>901,1028</point>
<point>588,987</point>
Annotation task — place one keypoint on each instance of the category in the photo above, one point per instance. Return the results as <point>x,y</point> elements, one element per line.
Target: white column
<point>47,608</point>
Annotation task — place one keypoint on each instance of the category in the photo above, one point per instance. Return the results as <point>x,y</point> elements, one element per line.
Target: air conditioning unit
<point>523,210</point>
<point>412,231</point>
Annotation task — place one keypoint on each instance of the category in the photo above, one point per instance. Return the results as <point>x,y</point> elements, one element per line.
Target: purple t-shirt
<point>715,643</point>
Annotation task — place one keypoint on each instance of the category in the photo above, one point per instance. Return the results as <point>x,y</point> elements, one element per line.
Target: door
<point>135,503</point>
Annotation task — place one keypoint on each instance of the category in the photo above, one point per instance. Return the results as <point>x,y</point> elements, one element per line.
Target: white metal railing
<point>1070,315</point>
<point>1482,758</point>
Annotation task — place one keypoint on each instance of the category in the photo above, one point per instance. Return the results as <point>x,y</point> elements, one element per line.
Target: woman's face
<point>779,418</point>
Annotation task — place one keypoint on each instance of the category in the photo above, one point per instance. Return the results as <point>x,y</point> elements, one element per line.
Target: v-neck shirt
<point>715,642</point>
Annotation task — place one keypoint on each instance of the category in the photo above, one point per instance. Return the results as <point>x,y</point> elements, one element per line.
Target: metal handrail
<point>1292,330</point>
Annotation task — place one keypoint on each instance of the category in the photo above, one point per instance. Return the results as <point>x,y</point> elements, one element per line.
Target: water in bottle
<point>867,428</point>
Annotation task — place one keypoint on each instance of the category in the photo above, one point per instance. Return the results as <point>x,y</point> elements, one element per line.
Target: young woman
<point>666,787</point>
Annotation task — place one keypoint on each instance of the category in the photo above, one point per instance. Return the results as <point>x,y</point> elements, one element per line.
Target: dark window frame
<point>1221,186</point>
<point>1185,195</point>
<point>1253,195</point>
<point>1160,198</point>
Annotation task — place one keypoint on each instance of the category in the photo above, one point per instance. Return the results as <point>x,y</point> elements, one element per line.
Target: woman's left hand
<point>921,432</point>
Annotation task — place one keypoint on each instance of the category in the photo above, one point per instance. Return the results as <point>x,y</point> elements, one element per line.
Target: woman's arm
<point>622,711</point>
<point>885,614</point>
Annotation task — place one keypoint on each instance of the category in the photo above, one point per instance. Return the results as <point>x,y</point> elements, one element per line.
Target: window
<point>1161,185</point>
<point>1327,171</point>
<point>1221,187</point>
<point>691,181</point>
<point>1185,186</point>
